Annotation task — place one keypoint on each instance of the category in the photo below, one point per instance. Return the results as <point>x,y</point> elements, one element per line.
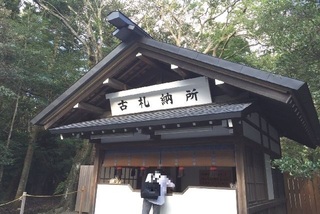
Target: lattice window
<point>255,176</point>
<point>125,175</point>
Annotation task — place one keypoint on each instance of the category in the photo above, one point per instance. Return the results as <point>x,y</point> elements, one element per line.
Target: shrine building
<point>213,126</point>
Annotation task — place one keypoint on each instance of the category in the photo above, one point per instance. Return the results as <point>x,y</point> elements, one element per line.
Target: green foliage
<point>12,5</point>
<point>211,27</point>
<point>5,155</point>
<point>52,161</point>
<point>40,57</point>
<point>38,61</point>
<point>60,188</point>
<point>6,92</point>
<point>291,32</point>
<point>298,160</point>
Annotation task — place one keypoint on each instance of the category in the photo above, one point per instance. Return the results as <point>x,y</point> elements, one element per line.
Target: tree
<point>84,22</point>
<point>290,32</point>
<point>211,27</point>
<point>298,160</point>
<point>38,63</point>
<point>6,94</point>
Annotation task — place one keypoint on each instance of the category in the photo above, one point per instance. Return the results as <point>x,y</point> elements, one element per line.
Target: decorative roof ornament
<point>126,29</point>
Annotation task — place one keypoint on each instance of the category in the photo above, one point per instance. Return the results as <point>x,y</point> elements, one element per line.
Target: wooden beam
<point>99,157</point>
<point>149,61</point>
<point>90,108</point>
<point>116,84</point>
<point>260,87</point>
<point>229,89</point>
<point>156,67</point>
<point>84,87</point>
<point>179,71</point>
<point>241,178</point>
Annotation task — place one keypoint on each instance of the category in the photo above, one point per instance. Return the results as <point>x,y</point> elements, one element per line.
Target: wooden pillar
<point>99,155</point>
<point>316,184</point>
<point>241,183</point>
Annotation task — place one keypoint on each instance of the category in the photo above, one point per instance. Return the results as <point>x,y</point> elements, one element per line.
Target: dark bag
<point>150,190</point>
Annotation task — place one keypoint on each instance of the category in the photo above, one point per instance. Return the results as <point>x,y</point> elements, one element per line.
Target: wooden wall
<point>83,202</point>
<point>303,195</point>
<point>179,157</point>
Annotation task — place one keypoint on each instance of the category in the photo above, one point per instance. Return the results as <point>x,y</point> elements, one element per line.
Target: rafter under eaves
<point>90,108</point>
<point>116,84</point>
<point>179,71</point>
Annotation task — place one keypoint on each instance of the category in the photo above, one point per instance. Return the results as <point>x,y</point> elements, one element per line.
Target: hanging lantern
<point>142,171</point>
<point>133,172</point>
<point>119,171</point>
<point>142,168</point>
<point>212,171</point>
<point>213,168</point>
<point>180,171</point>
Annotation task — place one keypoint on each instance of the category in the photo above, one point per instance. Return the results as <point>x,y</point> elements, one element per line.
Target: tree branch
<point>56,13</point>
<point>222,12</point>
<point>226,42</point>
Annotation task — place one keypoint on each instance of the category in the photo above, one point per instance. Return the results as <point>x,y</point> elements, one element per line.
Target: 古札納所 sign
<point>160,97</point>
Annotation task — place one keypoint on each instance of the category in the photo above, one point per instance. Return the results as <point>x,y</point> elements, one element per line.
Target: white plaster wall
<point>254,118</point>
<point>275,147</point>
<point>273,132</point>
<point>265,141</point>
<point>269,176</point>
<point>264,124</point>
<point>251,132</point>
<point>121,199</point>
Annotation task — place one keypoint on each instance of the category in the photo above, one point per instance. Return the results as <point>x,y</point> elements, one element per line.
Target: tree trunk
<point>10,133</point>
<point>83,156</point>
<point>34,130</point>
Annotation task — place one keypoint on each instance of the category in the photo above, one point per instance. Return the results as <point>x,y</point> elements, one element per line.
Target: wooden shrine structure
<point>212,125</point>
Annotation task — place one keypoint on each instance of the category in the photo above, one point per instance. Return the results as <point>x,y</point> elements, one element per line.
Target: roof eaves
<point>307,107</point>
<point>42,117</point>
<point>182,115</point>
<point>126,29</point>
<point>224,64</point>
<point>284,85</point>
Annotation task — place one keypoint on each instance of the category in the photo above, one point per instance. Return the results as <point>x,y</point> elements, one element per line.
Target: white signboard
<point>160,97</point>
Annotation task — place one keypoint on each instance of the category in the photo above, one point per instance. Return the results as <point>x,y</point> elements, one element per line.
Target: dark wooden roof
<point>141,61</point>
<point>194,114</point>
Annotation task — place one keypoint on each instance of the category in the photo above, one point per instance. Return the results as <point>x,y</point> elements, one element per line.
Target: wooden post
<point>23,202</point>
<point>316,185</point>
<point>241,182</point>
<point>81,199</point>
<point>99,156</point>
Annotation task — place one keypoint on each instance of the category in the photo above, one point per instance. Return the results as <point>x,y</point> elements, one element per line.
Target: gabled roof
<point>140,61</point>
